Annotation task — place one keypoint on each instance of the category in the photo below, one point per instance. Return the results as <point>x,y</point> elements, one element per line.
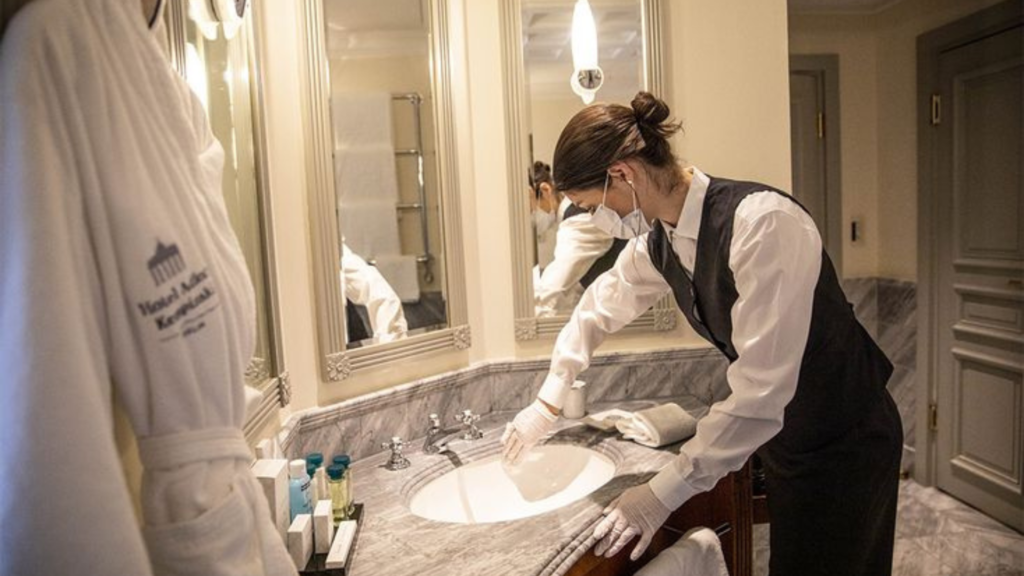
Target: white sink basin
<point>486,491</point>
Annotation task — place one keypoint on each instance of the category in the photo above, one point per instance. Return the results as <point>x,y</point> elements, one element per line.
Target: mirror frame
<point>275,390</point>
<point>662,316</point>
<point>338,363</point>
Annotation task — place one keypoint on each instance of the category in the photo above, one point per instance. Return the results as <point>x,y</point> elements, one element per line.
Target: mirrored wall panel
<point>557,251</point>
<point>383,188</point>
<point>568,251</point>
<point>391,272</point>
<point>218,58</point>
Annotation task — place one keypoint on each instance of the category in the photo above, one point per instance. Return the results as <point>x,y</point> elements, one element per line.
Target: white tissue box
<point>273,477</point>
<point>323,527</point>
<point>300,540</point>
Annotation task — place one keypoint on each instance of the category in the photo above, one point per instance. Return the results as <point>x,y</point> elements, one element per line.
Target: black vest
<point>842,372</point>
<point>606,261</point>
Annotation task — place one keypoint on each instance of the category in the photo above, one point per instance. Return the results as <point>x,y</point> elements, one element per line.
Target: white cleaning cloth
<point>658,426</point>
<point>697,553</point>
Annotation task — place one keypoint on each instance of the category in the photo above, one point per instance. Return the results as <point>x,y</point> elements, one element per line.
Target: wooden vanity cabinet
<point>729,502</point>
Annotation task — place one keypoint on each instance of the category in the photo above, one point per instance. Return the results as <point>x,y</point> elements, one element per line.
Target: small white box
<point>273,477</point>
<point>338,555</point>
<point>323,526</point>
<point>300,540</point>
<point>265,449</point>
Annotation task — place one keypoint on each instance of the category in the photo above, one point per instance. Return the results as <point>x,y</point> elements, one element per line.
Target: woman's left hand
<point>636,512</point>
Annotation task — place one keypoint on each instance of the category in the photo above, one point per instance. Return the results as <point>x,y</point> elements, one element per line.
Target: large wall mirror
<point>557,252</point>
<point>383,195</point>
<point>218,56</point>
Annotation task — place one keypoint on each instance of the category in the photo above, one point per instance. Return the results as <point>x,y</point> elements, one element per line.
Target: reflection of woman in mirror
<point>579,251</point>
<point>546,208</point>
<point>363,285</point>
<point>746,265</point>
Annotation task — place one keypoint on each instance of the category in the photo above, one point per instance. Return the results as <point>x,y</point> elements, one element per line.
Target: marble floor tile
<point>937,535</point>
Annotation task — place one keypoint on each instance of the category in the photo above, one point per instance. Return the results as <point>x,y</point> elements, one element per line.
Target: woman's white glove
<point>526,430</point>
<point>636,512</point>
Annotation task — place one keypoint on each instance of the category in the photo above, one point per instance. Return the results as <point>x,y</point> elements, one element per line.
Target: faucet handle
<point>397,461</point>
<point>469,420</point>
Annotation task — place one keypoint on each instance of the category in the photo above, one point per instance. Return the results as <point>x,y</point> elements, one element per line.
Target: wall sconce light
<point>207,14</point>
<point>587,76</point>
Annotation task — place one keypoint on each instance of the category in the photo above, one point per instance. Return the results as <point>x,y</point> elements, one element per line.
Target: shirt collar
<point>689,217</point>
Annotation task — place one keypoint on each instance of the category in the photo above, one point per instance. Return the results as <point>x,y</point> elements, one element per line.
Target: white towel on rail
<point>370,228</point>
<point>361,119</point>
<point>402,273</point>
<point>365,173</point>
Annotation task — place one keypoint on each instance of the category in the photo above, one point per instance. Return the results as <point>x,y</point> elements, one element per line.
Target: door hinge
<point>821,125</point>
<point>933,417</point>
<point>936,110</point>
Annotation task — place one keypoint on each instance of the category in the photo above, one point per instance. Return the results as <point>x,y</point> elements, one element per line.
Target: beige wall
<point>731,130</point>
<point>878,83</point>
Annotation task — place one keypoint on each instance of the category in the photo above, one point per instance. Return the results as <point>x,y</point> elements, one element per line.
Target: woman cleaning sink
<point>746,265</point>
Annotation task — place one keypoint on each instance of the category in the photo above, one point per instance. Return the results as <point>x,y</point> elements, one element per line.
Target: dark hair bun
<point>652,116</point>
<point>540,172</point>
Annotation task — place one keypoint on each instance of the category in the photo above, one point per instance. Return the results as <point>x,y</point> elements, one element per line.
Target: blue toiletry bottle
<point>298,489</point>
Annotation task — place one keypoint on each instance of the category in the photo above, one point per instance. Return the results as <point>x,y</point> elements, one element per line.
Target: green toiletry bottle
<point>338,486</point>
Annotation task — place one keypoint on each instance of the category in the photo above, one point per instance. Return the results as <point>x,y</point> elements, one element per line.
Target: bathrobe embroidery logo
<point>179,310</point>
<point>166,263</point>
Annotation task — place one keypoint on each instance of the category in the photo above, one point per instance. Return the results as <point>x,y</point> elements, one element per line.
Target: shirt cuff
<point>553,391</point>
<point>671,488</point>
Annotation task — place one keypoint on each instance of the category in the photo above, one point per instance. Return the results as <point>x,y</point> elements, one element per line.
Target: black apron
<point>832,472</point>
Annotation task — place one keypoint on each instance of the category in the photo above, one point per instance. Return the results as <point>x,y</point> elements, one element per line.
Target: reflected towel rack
<point>416,100</point>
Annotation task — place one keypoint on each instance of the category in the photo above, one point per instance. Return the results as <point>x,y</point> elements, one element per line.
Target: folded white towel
<point>697,553</point>
<point>658,426</point>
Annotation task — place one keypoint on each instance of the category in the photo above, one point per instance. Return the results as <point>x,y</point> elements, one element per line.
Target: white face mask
<point>625,227</point>
<point>543,221</point>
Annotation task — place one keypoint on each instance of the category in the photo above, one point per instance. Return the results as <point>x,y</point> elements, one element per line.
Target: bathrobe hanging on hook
<point>119,272</point>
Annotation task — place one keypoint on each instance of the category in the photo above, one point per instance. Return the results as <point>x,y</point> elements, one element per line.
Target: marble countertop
<point>395,542</point>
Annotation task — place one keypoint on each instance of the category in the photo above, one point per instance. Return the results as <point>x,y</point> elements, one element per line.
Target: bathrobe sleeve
<point>365,286</point>
<point>64,499</point>
<point>775,257</point>
<point>611,302</point>
<point>578,245</point>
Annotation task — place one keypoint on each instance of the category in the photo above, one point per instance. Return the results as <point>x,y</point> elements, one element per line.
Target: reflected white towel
<point>361,119</point>
<point>370,228</point>
<point>402,273</point>
<point>697,553</point>
<point>658,426</point>
<point>365,174</point>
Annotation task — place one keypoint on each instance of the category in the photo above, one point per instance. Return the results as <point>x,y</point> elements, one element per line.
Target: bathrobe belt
<point>181,448</point>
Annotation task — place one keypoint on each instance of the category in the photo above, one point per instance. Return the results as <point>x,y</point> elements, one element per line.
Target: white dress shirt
<point>775,257</point>
<point>578,245</point>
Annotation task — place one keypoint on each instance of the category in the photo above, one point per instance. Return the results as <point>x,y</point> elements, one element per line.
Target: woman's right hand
<point>528,428</point>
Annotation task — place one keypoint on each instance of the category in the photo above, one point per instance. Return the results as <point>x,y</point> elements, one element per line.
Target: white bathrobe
<point>119,272</point>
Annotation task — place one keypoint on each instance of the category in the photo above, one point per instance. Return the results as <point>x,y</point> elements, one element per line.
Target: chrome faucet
<point>437,437</point>
<point>435,442</point>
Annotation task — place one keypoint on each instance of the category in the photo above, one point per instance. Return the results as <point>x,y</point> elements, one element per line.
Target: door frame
<point>826,68</point>
<point>930,46</point>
